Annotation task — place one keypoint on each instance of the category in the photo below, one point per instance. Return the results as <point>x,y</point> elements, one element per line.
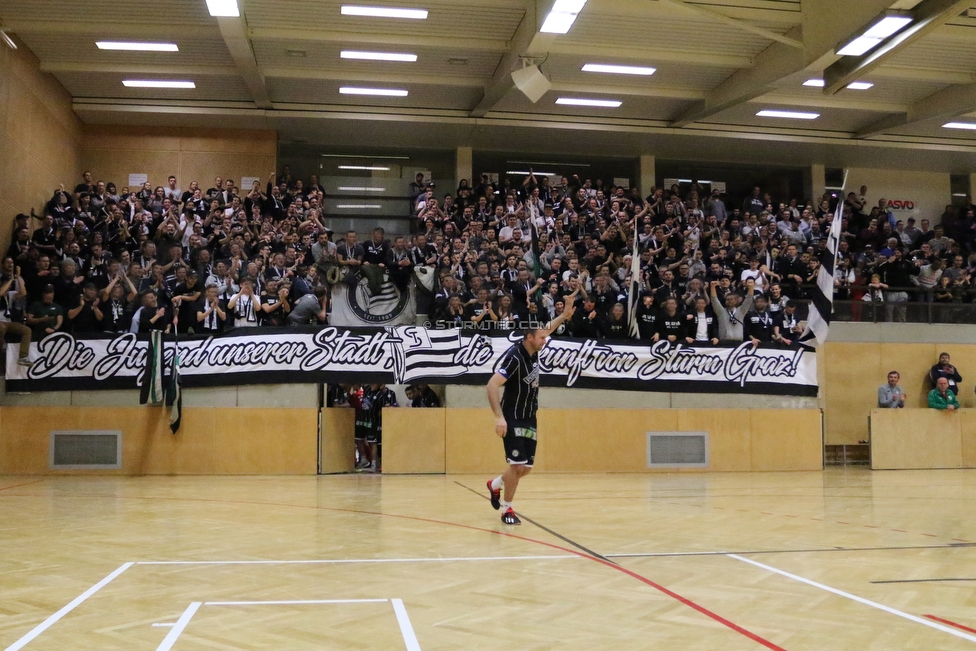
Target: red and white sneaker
<point>509,517</point>
<point>495,496</point>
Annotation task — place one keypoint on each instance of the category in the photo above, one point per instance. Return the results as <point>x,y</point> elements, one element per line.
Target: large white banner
<point>404,354</point>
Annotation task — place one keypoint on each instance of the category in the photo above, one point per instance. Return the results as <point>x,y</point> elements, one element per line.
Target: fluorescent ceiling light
<point>860,85</point>
<point>384,12</point>
<point>374,168</point>
<point>365,156</point>
<point>959,125</point>
<point>223,8</point>
<point>875,35</point>
<point>521,173</point>
<point>384,92</point>
<point>149,83</point>
<point>137,47</point>
<point>377,56</point>
<point>814,83</point>
<point>788,114</point>
<point>359,188</point>
<point>562,16</point>
<point>603,103</point>
<point>358,206</point>
<point>959,194</point>
<point>9,41</point>
<point>619,70</point>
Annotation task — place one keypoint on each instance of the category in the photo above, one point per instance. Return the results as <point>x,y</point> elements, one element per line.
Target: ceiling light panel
<point>601,103</point>
<point>860,85</point>
<point>153,83</point>
<point>368,168</point>
<point>618,70</point>
<point>223,8</point>
<point>136,47</point>
<point>789,115</point>
<point>814,83</point>
<point>562,16</point>
<point>875,35</point>
<point>383,12</point>
<point>380,92</point>
<point>960,125</point>
<point>377,56</point>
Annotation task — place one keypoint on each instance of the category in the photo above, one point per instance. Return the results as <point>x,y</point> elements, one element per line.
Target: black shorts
<point>520,445</point>
<point>361,432</point>
<point>374,436</point>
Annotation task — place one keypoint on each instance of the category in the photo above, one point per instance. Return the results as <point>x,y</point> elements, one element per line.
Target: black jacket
<point>758,325</point>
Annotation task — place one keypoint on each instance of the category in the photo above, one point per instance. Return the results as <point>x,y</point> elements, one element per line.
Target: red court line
<point>26,483</point>
<point>684,600</point>
<point>953,624</point>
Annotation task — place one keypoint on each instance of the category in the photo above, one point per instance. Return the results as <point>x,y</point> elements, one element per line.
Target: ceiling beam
<point>941,106</point>
<point>651,55</point>
<point>331,74</point>
<point>124,68</point>
<point>526,42</point>
<point>108,28</point>
<point>234,32</point>
<point>378,38</point>
<point>820,101</point>
<point>735,22</point>
<point>929,15</point>
<point>922,74</point>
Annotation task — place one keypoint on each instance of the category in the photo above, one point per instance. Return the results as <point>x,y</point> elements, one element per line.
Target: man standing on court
<point>515,411</point>
<point>891,396</point>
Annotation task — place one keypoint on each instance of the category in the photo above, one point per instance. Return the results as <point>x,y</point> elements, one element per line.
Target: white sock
<point>505,506</point>
<point>497,484</point>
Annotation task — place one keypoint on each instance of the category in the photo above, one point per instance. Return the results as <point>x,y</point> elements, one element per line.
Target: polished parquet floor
<point>844,559</point>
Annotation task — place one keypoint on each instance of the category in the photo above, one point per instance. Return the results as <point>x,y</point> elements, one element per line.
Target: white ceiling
<point>718,63</point>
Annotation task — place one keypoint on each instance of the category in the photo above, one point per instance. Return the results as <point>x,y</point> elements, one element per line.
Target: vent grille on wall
<point>677,449</point>
<point>86,449</point>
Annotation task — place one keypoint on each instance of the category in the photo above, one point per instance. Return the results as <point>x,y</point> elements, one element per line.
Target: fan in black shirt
<point>515,411</point>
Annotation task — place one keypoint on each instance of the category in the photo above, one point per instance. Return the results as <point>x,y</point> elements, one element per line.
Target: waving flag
<point>818,320</point>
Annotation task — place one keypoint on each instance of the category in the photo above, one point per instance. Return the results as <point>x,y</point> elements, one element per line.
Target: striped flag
<point>633,296</point>
<point>818,321</point>
<point>174,392</point>
<point>152,375</point>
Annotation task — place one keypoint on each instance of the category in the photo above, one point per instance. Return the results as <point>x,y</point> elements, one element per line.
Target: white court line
<point>288,603</point>
<point>866,602</point>
<point>47,623</point>
<point>177,630</point>
<point>406,628</point>
<point>367,560</point>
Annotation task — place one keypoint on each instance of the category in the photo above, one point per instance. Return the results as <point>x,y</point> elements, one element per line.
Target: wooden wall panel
<point>210,441</point>
<point>266,441</point>
<point>786,440</point>
<point>851,385</point>
<point>338,440</point>
<point>916,438</point>
<point>599,440</point>
<point>729,438</point>
<point>414,441</point>
<point>471,445</point>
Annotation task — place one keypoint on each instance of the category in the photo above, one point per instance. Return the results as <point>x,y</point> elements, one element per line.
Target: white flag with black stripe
<point>633,296</point>
<point>818,321</point>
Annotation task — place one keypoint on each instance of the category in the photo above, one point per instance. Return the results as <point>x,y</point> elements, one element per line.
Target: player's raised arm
<point>562,318</point>
<point>495,401</point>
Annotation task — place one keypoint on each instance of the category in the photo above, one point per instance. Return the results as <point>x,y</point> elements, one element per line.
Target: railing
<point>922,306</point>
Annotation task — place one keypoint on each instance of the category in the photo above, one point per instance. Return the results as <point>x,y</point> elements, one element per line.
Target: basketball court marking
<point>47,623</point>
<point>177,630</point>
<point>369,560</point>
<point>861,600</point>
<point>814,550</point>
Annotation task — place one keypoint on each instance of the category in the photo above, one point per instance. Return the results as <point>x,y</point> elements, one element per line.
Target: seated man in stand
<point>890,395</point>
<point>941,397</point>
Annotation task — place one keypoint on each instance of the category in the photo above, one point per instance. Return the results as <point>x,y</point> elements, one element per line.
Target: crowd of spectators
<point>189,259</point>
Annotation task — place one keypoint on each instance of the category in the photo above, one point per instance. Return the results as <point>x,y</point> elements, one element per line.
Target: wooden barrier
<point>414,441</point>
<point>614,440</point>
<point>903,439</point>
<point>338,448</point>
<point>211,441</point>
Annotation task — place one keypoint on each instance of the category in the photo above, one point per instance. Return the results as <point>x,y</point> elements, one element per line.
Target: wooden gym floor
<point>844,559</point>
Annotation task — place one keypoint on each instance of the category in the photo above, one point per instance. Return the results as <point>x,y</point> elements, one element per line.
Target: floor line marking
<point>861,600</point>
<point>366,560</point>
<point>790,551</point>
<point>406,628</point>
<point>544,528</point>
<point>177,629</point>
<point>951,623</point>
<point>26,483</point>
<point>77,601</point>
<point>166,624</point>
<point>297,602</point>
<point>920,581</point>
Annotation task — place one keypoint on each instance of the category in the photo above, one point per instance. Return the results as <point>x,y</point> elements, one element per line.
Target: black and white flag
<point>818,320</point>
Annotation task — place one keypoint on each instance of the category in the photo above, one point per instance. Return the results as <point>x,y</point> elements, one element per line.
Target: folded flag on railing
<point>152,375</point>
<point>174,392</point>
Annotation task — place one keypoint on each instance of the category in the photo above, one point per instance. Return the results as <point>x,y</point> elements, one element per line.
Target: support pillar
<point>647,175</point>
<point>463,169</point>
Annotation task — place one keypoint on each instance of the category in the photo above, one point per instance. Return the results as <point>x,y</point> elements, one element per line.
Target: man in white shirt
<point>245,305</point>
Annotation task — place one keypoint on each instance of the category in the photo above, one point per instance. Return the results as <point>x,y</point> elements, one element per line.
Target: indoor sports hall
<point>529,324</point>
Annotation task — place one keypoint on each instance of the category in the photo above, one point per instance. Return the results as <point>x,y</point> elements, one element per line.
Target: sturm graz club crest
<point>379,308</point>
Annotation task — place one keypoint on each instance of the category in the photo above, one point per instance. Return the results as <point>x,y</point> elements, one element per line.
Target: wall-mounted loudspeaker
<point>531,82</point>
